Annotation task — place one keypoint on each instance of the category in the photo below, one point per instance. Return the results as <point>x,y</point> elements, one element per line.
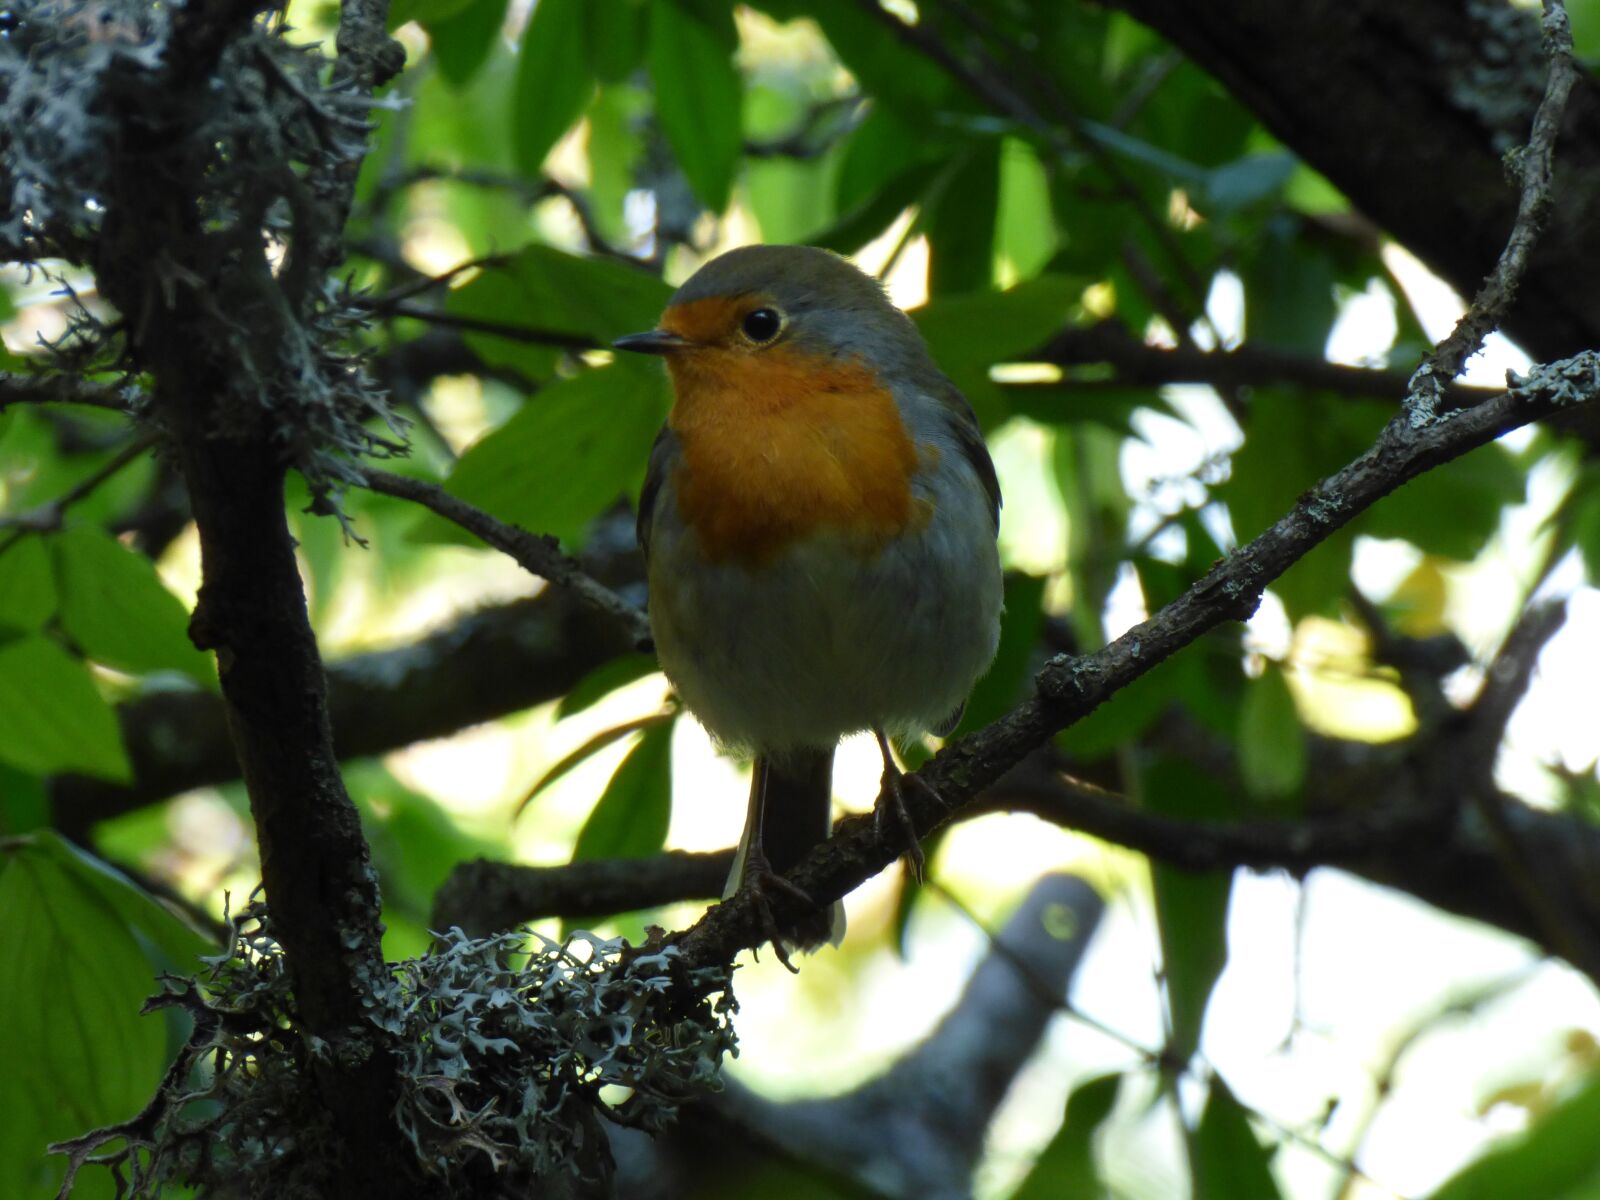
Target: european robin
<point>818,520</point>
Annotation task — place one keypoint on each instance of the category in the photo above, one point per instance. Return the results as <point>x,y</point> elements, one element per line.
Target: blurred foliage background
<point>1170,326</point>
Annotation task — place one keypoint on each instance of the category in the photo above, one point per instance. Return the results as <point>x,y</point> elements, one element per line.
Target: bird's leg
<point>893,798</point>
<point>758,876</point>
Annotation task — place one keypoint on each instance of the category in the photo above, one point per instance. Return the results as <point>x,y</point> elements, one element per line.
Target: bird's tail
<point>791,810</point>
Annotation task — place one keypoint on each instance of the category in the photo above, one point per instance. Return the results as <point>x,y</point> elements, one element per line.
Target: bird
<point>819,519</point>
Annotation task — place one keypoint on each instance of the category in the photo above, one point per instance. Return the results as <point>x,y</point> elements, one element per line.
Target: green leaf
<point>1557,1159</point>
<point>617,36</point>
<point>1228,1162</point>
<point>1066,1169</point>
<point>27,586</point>
<point>555,79</point>
<point>76,1053</point>
<point>879,150</point>
<point>1127,714</point>
<point>24,803</point>
<point>544,288</point>
<point>616,141</point>
<point>1191,907</point>
<point>117,610</point>
<point>961,225</point>
<point>1026,234</point>
<point>575,448</point>
<point>52,717</point>
<point>698,92</point>
<point>1454,509</point>
<point>1272,742</point>
<point>603,680</point>
<point>890,71</point>
<point>415,842</point>
<point>463,38</point>
<point>633,813</point>
<point>1288,288</point>
<point>1584,522</point>
<point>170,942</point>
<point>857,226</point>
<point>969,334</point>
<point>462,128</point>
<point>1003,684</point>
<point>1291,443</point>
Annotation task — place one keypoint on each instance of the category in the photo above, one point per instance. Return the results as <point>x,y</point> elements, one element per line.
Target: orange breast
<point>778,446</point>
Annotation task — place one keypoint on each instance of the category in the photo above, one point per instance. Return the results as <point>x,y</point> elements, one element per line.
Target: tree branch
<point>1534,164</point>
<point>1137,364</point>
<point>484,897</point>
<point>163,260</point>
<point>537,554</point>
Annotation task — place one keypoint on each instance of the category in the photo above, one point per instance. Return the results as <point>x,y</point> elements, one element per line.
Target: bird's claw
<point>759,878</point>
<point>893,800</point>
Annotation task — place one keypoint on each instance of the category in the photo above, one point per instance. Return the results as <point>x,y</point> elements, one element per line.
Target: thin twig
<point>525,334</point>
<point>59,388</point>
<point>538,554</point>
<point>1534,165</point>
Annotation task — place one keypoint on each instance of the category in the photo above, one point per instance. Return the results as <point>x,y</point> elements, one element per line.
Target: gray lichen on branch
<point>227,112</point>
<point>504,1067</point>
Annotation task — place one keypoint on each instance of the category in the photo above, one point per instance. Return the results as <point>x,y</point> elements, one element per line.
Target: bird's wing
<point>969,437</point>
<point>662,455</point>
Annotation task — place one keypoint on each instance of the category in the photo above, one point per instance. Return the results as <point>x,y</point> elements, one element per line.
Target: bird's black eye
<point>762,324</point>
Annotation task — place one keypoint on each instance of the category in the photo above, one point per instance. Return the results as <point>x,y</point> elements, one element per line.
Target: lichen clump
<point>516,1052</point>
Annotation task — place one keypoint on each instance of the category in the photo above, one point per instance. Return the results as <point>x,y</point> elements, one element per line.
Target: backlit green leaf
<point>969,334</point>
<point>115,607</point>
<point>1229,1162</point>
<point>1003,684</point>
<point>52,717</point>
<point>463,38</point>
<point>554,80</point>
<point>1272,742</point>
<point>169,940</point>
<point>633,813</point>
<point>698,92</point>
<point>961,224</point>
<point>1557,1159</point>
<point>575,447</point>
<point>76,1053</point>
<point>1066,1169</point>
<point>27,586</point>
<point>1191,907</point>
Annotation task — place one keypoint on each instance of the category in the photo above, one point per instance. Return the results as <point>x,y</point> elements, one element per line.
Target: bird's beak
<point>654,341</point>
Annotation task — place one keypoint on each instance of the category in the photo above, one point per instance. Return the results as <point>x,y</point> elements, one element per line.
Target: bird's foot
<point>892,804</point>
<point>759,882</point>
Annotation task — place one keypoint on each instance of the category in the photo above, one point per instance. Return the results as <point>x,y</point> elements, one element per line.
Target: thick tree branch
<point>1394,817</point>
<point>164,262</point>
